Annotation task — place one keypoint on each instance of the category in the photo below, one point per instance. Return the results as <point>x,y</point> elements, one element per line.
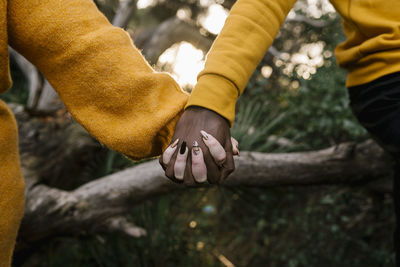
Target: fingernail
<point>183,148</point>
<point>204,134</point>
<point>196,151</point>
<point>175,143</point>
<point>196,148</point>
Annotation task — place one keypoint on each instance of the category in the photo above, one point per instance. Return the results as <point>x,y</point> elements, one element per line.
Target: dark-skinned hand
<point>201,149</point>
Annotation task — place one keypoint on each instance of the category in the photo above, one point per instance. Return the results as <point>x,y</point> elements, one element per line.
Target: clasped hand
<point>202,149</point>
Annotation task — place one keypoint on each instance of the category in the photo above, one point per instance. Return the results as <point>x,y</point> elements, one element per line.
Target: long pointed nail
<point>204,134</point>
<point>173,145</point>
<point>183,148</point>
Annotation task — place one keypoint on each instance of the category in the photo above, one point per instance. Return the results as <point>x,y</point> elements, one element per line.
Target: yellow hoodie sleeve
<point>248,33</point>
<point>103,79</point>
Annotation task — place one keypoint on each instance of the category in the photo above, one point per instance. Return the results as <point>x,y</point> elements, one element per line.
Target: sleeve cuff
<point>216,93</point>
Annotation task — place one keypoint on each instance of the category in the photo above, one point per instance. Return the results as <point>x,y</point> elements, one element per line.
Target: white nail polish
<point>196,148</point>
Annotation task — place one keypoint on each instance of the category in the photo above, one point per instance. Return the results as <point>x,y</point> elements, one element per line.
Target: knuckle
<point>230,170</point>
<point>221,162</point>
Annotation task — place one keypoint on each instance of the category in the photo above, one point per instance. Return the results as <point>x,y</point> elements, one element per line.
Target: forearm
<point>103,79</point>
<point>248,33</point>
<point>12,188</point>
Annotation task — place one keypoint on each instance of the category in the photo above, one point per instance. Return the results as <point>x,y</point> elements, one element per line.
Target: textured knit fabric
<point>5,79</point>
<point>371,50</point>
<point>11,185</point>
<point>103,79</point>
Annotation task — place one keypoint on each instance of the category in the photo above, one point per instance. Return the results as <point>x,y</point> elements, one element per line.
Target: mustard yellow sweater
<point>372,48</point>
<point>103,79</point>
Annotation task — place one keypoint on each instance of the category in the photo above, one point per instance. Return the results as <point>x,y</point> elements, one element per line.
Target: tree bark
<point>51,211</point>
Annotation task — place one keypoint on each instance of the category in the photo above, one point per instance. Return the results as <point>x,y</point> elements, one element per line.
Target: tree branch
<point>51,211</point>
<point>124,13</point>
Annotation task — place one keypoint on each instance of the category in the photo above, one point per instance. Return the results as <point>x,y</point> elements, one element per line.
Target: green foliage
<point>319,112</point>
<point>313,115</point>
<point>251,128</point>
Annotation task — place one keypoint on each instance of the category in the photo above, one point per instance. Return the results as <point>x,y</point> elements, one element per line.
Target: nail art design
<point>196,148</point>
<point>173,145</point>
<point>183,148</point>
<point>204,134</point>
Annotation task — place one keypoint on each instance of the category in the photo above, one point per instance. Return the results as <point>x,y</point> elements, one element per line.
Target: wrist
<point>215,93</point>
<point>202,111</point>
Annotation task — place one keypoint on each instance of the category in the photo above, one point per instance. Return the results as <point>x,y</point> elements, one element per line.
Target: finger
<point>167,155</point>
<point>180,162</point>
<point>215,148</point>
<point>235,147</point>
<point>164,166</point>
<point>169,170</point>
<point>228,167</point>
<point>199,169</point>
<point>213,171</point>
<point>188,179</point>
